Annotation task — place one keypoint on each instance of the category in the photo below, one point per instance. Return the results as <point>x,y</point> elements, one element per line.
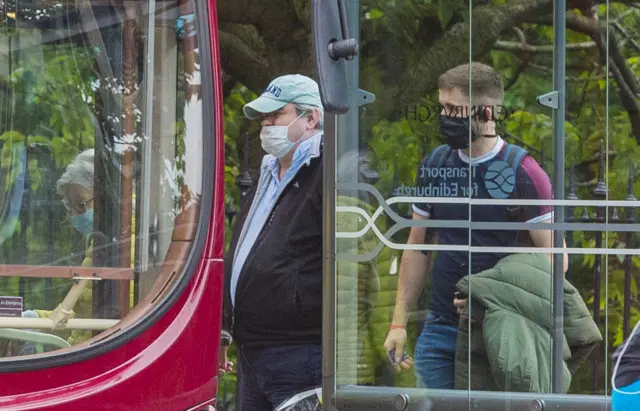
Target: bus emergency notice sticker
<point>10,306</point>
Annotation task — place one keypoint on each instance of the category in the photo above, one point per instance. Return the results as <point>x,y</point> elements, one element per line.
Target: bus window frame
<point>205,15</point>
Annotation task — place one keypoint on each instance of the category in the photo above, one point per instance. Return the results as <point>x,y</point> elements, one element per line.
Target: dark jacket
<point>628,371</point>
<point>279,291</point>
<point>511,328</point>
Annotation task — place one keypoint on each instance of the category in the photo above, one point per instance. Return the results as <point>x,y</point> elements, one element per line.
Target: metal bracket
<point>549,99</point>
<point>364,97</point>
<point>77,277</point>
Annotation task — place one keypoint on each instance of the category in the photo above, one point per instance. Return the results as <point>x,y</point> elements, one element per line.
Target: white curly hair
<point>80,172</point>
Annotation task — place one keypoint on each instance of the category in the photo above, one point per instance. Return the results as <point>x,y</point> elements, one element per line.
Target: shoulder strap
<point>513,155</point>
<point>439,156</point>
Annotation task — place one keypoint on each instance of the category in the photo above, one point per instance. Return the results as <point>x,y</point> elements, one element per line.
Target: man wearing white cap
<point>273,269</point>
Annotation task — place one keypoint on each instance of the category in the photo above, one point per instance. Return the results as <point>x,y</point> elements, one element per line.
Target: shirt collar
<point>486,157</point>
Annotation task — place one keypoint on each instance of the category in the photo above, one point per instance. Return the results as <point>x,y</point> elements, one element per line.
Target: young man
<point>273,269</point>
<point>485,163</point>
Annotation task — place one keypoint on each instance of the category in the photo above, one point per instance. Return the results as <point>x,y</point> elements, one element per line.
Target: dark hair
<point>486,83</point>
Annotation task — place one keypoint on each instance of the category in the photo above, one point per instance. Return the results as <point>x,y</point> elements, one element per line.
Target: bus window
<point>102,165</point>
<point>485,205</point>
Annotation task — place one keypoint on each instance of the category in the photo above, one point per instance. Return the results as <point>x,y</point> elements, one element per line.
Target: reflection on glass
<point>101,143</point>
<point>464,202</point>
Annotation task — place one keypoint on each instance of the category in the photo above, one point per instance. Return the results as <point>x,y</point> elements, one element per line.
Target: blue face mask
<point>83,222</point>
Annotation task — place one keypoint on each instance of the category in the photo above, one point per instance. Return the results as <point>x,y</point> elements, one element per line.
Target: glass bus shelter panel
<point>534,227</point>
<point>101,146</point>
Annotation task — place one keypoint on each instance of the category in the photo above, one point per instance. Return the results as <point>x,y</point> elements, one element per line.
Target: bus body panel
<point>215,241</point>
<point>172,365</point>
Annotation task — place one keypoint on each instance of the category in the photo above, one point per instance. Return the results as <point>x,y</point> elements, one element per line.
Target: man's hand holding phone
<point>394,344</point>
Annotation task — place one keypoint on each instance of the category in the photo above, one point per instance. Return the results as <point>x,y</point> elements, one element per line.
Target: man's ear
<point>313,119</point>
<point>491,115</point>
<point>486,113</point>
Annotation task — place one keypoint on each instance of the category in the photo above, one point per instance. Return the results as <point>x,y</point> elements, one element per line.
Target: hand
<point>397,338</point>
<point>461,306</point>
<point>60,316</point>
<point>30,314</point>
<point>224,365</point>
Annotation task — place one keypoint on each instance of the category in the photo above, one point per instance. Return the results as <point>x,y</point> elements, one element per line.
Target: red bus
<point>113,205</point>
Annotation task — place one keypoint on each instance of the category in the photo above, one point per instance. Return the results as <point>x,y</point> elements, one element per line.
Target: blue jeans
<point>268,376</point>
<point>626,402</point>
<point>434,358</point>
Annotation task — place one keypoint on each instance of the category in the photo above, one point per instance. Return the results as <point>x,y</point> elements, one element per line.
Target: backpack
<point>513,155</point>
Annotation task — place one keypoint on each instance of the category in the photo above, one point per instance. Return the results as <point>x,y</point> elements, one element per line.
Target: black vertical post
<point>244,179</point>
<point>630,217</point>
<point>615,217</point>
<point>230,211</point>
<point>600,192</point>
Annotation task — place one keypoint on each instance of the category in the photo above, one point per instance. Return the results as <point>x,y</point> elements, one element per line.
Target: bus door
<point>110,265</point>
<point>480,202</point>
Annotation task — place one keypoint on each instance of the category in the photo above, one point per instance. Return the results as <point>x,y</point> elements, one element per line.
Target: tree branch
<point>549,70</point>
<point>228,82</point>
<point>628,100</point>
<point>261,40</point>
<point>520,34</point>
<point>590,26</point>
<point>625,78</point>
<point>625,71</point>
<point>517,46</point>
<point>242,62</point>
<point>256,12</point>
<point>453,48</point>
<point>521,67</point>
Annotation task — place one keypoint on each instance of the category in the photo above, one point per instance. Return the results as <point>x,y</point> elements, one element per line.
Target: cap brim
<point>262,105</point>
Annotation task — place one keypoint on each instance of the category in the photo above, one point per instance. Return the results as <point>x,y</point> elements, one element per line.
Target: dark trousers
<point>268,376</point>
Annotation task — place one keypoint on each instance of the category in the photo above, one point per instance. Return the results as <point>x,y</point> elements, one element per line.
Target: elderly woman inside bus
<point>76,188</point>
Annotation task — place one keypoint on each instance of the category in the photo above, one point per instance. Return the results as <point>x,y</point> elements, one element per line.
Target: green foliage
<point>52,102</point>
<point>50,115</point>
<point>233,138</point>
<point>595,115</point>
<point>226,393</point>
<point>591,120</point>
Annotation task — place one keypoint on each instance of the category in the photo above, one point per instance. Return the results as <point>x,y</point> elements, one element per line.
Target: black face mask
<point>455,131</point>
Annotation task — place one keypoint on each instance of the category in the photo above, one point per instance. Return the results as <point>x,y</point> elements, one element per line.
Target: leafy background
<point>404,47</point>
<point>400,41</point>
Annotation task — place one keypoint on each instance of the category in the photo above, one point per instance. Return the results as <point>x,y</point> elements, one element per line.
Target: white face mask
<point>275,139</point>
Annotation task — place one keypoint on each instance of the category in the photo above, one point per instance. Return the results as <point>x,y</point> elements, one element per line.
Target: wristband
<point>396,326</point>
<point>64,311</point>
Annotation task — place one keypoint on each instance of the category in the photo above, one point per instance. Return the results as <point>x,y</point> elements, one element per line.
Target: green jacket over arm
<point>511,321</point>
